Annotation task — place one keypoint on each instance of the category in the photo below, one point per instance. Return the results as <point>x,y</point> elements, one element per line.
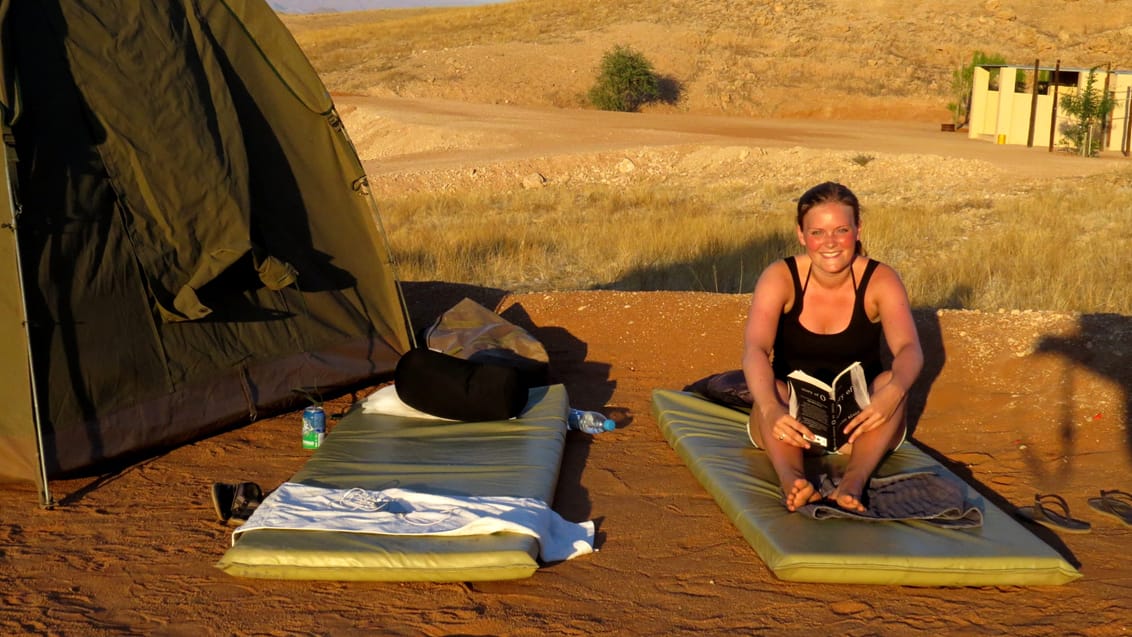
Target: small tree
<point>626,81</point>
<point>962,81</point>
<point>1088,109</point>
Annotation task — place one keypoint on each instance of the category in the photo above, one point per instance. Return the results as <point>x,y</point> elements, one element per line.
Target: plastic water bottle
<point>590,422</point>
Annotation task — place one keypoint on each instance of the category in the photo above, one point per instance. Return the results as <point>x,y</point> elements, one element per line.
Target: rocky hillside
<point>881,59</point>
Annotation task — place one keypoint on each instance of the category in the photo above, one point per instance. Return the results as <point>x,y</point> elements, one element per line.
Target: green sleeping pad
<point>712,440</point>
<point>520,457</point>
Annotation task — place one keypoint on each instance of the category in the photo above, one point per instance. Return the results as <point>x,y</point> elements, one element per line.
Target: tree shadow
<point>963,471</point>
<point>1098,346</point>
<point>670,90</point>
<point>935,359</point>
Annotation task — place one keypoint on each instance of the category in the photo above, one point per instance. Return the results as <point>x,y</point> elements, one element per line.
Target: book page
<point>802,376</point>
<point>852,395</point>
<point>825,410</point>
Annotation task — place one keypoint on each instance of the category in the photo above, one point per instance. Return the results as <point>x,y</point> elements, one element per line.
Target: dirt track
<point>395,135</point>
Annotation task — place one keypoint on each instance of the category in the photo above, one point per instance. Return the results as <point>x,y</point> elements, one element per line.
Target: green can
<point>314,427</point>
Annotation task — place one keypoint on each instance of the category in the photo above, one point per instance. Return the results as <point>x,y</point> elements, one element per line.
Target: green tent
<point>186,234</point>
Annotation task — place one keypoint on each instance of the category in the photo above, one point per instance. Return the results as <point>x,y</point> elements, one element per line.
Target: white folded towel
<point>386,401</point>
<point>302,507</point>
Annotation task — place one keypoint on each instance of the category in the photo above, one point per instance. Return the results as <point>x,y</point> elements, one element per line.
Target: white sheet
<point>296,506</point>
<point>386,401</point>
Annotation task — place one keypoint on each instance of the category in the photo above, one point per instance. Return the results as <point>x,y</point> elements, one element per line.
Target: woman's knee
<point>756,427</point>
<point>753,432</point>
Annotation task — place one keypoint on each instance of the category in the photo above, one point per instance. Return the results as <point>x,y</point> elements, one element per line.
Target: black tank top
<point>824,355</point>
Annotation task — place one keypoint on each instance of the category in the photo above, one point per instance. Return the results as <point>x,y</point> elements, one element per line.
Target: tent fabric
<point>712,440</point>
<point>520,457</point>
<point>18,447</point>
<point>194,227</point>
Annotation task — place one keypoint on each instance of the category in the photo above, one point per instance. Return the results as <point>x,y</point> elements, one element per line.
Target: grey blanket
<point>921,496</point>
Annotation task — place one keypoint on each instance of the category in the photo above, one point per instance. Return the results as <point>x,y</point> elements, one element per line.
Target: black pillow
<point>450,387</point>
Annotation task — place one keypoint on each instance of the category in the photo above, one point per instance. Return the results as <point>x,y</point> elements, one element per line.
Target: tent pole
<point>361,186</point>
<point>43,487</point>
<point>392,263</point>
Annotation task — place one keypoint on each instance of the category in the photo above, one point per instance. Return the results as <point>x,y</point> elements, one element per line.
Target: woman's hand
<point>882,406</point>
<point>785,428</point>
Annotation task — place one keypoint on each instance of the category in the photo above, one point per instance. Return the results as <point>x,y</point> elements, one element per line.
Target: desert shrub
<point>626,81</point>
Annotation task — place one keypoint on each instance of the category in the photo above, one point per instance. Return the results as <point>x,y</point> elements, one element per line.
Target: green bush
<point>626,81</point>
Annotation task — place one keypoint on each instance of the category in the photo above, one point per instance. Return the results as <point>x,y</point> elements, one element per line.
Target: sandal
<point>1056,520</point>
<point>234,503</point>
<point>222,494</point>
<point>1118,504</point>
<point>248,496</point>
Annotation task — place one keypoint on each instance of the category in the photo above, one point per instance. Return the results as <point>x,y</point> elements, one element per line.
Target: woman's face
<point>830,236</point>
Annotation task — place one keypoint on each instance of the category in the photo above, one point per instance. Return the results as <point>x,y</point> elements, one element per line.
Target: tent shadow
<point>428,300</point>
<point>589,387</point>
<point>587,382</point>
<point>731,272</point>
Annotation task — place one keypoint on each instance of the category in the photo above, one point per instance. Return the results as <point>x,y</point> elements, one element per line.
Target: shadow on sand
<point>1098,346</point>
<point>587,382</point>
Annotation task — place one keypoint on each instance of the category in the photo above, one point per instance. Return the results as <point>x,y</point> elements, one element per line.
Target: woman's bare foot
<point>850,502</point>
<point>801,494</point>
<point>848,497</point>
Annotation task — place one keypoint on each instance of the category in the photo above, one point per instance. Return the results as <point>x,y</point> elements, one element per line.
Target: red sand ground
<point>1018,403</point>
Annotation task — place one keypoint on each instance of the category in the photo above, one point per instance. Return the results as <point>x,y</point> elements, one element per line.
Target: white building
<point>1022,111</point>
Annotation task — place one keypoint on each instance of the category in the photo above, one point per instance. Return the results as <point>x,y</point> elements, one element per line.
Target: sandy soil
<point>1016,402</point>
<point>418,143</point>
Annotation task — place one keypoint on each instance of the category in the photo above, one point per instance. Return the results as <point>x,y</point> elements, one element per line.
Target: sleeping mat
<point>519,457</point>
<point>712,440</point>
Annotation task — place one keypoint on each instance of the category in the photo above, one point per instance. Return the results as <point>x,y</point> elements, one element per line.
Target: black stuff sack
<point>450,387</point>
<point>727,388</point>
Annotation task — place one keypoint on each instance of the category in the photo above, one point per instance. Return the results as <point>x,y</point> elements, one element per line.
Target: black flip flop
<point>222,494</point>
<point>1118,504</point>
<point>1057,520</point>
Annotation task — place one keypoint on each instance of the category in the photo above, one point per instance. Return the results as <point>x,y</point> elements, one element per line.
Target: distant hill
<point>335,6</point>
<point>846,59</point>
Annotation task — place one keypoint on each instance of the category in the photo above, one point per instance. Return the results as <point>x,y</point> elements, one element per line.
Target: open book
<point>826,409</point>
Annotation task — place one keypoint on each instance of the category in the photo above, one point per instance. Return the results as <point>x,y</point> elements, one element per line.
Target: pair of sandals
<point>1052,511</point>
<point>234,503</point>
